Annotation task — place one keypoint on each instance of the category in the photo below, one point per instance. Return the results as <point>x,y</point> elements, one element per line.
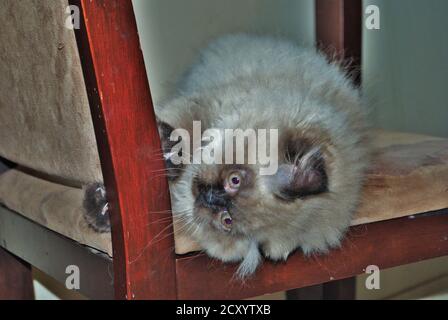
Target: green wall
<point>406,66</point>
<point>173,31</point>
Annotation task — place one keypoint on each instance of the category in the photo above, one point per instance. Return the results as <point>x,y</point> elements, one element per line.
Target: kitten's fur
<point>245,81</point>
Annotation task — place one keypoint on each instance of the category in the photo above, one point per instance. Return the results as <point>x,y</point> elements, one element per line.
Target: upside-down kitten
<point>234,212</point>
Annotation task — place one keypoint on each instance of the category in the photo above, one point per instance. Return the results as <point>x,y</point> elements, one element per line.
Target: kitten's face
<point>226,196</point>
<point>236,200</point>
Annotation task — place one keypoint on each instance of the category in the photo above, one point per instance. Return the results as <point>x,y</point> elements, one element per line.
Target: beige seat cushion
<point>44,112</point>
<point>409,176</point>
<point>55,206</point>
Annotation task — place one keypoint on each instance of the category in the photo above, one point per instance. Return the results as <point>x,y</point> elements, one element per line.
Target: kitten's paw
<point>96,208</point>
<point>231,250</point>
<point>276,251</point>
<point>321,242</point>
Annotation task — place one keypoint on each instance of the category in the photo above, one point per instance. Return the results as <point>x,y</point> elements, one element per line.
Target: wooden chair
<point>144,264</point>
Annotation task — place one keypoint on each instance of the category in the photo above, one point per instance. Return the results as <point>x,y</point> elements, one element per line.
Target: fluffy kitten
<point>253,82</point>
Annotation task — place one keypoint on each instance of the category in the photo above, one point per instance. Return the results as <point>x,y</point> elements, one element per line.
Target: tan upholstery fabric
<point>409,176</point>
<point>52,205</point>
<point>45,121</point>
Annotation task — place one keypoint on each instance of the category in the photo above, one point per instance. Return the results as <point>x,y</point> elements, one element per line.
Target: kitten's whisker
<point>171,211</point>
<point>156,240</point>
<point>162,220</point>
<point>167,169</point>
<point>180,217</point>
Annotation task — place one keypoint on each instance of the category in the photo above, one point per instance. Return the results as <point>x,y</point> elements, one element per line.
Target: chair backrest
<point>339,32</point>
<point>129,148</point>
<point>45,118</point>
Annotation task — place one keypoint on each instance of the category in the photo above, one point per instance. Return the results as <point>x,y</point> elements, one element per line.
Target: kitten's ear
<point>165,130</point>
<point>302,176</point>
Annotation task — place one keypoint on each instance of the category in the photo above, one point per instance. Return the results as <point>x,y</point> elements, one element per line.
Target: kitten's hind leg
<point>96,207</point>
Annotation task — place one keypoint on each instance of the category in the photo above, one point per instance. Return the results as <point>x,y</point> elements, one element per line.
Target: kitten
<point>234,212</point>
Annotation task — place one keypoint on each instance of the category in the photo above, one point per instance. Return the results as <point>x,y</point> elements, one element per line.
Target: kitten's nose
<point>212,198</point>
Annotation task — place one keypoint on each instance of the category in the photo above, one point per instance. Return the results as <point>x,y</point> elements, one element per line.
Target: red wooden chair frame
<point>144,263</point>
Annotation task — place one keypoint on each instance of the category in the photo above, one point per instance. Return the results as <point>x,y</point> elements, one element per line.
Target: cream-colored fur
<point>244,81</point>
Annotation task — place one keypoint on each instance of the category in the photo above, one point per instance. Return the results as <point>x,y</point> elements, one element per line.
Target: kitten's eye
<point>236,179</point>
<point>233,182</point>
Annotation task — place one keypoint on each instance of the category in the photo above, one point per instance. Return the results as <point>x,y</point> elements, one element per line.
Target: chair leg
<point>336,290</point>
<point>308,293</point>
<point>16,281</point>
<point>344,289</point>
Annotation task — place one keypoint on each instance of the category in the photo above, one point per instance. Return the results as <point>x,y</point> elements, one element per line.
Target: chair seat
<point>409,175</point>
<point>52,205</point>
